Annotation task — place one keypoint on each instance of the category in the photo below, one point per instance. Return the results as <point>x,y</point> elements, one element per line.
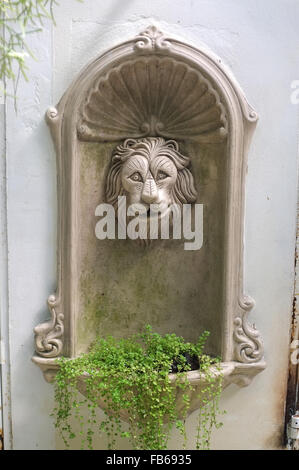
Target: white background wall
<point>259,41</point>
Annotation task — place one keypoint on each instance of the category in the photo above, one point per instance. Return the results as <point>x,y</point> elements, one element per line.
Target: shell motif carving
<point>152,96</point>
<point>48,335</point>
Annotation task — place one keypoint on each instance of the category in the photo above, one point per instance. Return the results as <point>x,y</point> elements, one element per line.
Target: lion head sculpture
<point>150,171</point>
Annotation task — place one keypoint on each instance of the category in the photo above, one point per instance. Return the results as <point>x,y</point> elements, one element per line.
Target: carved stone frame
<point>242,349</point>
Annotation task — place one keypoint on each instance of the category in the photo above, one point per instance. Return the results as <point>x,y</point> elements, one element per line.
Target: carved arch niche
<point>152,87</point>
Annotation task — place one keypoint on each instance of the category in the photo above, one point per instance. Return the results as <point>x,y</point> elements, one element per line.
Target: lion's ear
<point>129,143</point>
<point>172,144</point>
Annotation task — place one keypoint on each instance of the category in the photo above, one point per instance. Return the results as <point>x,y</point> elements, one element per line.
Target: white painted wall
<point>258,40</point>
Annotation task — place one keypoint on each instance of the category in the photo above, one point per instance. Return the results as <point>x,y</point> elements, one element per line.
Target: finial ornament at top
<point>151,40</point>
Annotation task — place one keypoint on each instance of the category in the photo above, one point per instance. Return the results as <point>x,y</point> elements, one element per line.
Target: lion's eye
<point>136,176</point>
<point>161,176</point>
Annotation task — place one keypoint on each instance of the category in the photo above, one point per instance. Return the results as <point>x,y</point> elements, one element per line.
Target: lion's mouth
<point>151,210</point>
<point>150,213</point>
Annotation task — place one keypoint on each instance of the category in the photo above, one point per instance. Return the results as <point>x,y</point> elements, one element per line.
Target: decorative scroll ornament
<point>48,335</point>
<point>152,40</point>
<point>248,344</point>
<point>153,96</point>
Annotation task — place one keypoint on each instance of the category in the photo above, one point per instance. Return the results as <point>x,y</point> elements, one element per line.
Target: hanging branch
<point>18,18</point>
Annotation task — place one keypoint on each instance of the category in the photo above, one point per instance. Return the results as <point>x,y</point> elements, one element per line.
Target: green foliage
<point>133,375</point>
<point>18,18</point>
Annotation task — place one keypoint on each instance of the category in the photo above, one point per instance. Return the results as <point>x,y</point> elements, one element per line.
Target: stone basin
<point>232,372</point>
<point>197,380</point>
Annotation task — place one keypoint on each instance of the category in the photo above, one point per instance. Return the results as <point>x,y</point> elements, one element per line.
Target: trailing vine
<point>132,375</point>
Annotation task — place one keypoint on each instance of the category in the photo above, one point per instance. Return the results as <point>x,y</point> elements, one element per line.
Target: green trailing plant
<point>132,376</point>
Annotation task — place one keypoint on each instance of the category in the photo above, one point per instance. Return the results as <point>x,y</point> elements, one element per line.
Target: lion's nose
<point>149,191</point>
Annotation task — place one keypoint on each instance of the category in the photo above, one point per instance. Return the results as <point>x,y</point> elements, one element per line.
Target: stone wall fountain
<point>160,122</point>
